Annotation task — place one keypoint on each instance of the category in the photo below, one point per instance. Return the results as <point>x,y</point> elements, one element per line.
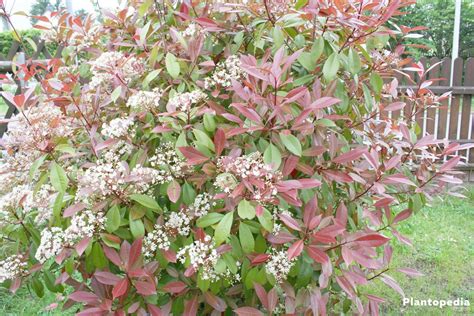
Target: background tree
<point>40,7</point>
<point>438,17</point>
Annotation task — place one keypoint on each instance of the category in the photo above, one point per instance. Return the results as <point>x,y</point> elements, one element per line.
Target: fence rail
<point>453,120</point>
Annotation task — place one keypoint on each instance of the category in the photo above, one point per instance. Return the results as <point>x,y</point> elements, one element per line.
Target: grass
<point>443,250</point>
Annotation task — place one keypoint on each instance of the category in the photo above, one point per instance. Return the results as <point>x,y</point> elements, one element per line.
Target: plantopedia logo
<point>458,302</point>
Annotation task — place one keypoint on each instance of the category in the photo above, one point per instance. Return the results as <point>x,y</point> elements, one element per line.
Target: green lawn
<point>443,250</point>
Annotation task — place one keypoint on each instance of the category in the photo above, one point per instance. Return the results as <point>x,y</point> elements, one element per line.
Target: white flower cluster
<point>168,164</point>
<point>279,265</point>
<point>157,239</point>
<point>250,168</point>
<point>42,201</point>
<point>38,125</point>
<point>183,102</point>
<point>119,127</point>
<point>12,267</point>
<point>145,100</point>
<point>202,255</point>
<point>101,180</point>
<point>224,73</point>
<point>111,176</point>
<point>111,64</point>
<point>18,198</point>
<point>192,31</point>
<point>54,239</point>
<point>178,223</point>
<point>202,205</point>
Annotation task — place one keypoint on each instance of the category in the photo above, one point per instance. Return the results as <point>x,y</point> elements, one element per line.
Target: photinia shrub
<point>207,158</point>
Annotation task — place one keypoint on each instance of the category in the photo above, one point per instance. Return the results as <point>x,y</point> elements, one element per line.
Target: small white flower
<point>224,73</point>
<point>279,265</point>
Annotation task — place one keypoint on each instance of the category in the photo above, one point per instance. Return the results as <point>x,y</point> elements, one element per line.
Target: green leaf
<point>246,210</point>
<point>209,122</point>
<point>209,219</point>
<point>36,165</point>
<point>246,238</point>
<point>116,93</point>
<point>354,61</point>
<point>203,139</point>
<point>331,66</point>
<point>58,177</point>
<point>307,61</point>
<point>149,78</point>
<point>266,220</point>
<point>137,228</point>
<point>369,104</point>
<point>272,156</point>
<point>37,286</point>
<point>223,228</point>
<point>291,143</point>
<point>57,206</point>
<point>172,65</point>
<point>188,193</point>
<point>113,219</point>
<point>376,82</point>
<point>278,37</point>
<point>146,201</point>
<point>98,256</point>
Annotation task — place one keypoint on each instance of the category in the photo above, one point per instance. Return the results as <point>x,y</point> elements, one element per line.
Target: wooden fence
<point>453,120</point>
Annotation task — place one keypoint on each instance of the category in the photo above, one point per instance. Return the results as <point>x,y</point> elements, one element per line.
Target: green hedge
<point>7,39</point>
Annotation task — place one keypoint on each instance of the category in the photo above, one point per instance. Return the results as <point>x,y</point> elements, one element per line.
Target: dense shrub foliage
<point>203,158</point>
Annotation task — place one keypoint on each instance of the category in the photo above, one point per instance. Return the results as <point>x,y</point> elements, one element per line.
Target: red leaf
<point>450,164</point>
<point>84,297</point>
<point>217,303</point>
<point>341,214</point>
<point>219,141</point>
<point>392,283</point>
<point>175,287</point>
<point>112,255</point>
<point>310,210</point>
<point>249,113</point>
<point>395,106</point>
<point>295,249</point>
<point>403,215</point>
<point>324,102</point>
<point>280,238</point>
<point>154,310</point>
<point>345,285</point>
<point>73,209</point>
<point>106,277</point>
<point>272,299</point>
<point>410,272</point>
<point>260,258</point>
<point>191,306</point>
<point>194,156</point>
<point>350,156</point>
<point>135,252</point>
<point>290,222</point>
<point>259,210</point>
<point>120,288</point>
<point>82,245</point>
<point>19,100</point>
<point>317,254</point>
<point>372,240</point>
<point>145,288</point>
<point>337,176</point>
<point>261,293</point>
<point>173,191</point>
<point>169,255</point>
<point>248,311</point>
